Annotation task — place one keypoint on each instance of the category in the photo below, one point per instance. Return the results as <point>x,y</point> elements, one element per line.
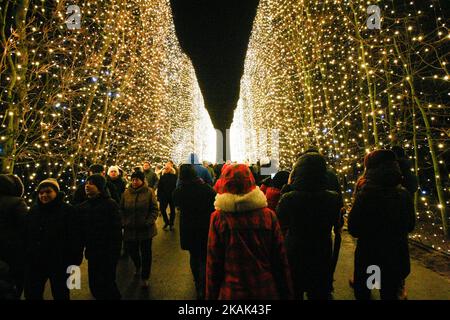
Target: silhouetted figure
<point>309,213</point>
<point>195,198</point>
<point>102,237</point>
<point>382,215</point>
<point>13,210</point>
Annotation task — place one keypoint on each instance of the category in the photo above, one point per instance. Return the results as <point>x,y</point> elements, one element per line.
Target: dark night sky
<point>215,35</point>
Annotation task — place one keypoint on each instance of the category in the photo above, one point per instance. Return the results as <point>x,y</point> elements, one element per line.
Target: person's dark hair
<point>187,172</point>
<point>96,168</point>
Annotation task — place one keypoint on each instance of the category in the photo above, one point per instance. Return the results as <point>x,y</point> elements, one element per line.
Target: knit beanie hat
<point>138,175</point>
<point>235,179</point>
<point>113,168</point>
<point>98,180</point>
<point>50,182</point>
<point>378,157</point>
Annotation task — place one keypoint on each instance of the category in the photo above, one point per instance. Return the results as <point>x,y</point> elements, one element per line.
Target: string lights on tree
<point>318,73</point>
<point>119,90</point>
<point>112,91</point>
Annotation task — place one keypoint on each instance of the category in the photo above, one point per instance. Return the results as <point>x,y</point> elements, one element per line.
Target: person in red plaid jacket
<point>246,254</point>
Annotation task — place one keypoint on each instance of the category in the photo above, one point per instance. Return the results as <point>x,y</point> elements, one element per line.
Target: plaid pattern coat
<point>246,254</point>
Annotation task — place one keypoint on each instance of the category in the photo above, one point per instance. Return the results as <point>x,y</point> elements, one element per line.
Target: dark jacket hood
<point>387,174</point>
<point>310,173</point>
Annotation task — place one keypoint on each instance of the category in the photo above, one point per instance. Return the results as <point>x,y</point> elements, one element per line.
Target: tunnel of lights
<point>121,90</point>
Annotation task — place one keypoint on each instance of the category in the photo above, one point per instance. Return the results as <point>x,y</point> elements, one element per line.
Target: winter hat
<point>310,172</point>
<point>98,180</point>
<point>377,158</point>
<point>235,179</point>
<point>50,182</point>
<point>113,168</point>
<point>138,175</point>
<point>11,185</point>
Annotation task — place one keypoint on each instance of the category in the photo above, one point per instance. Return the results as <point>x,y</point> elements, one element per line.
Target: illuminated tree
<point>316,71</point>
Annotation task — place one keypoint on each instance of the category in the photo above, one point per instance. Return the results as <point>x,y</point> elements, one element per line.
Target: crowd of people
<point>248,237</point>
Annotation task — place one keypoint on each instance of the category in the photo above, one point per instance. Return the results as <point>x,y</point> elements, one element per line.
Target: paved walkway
<point>171,278</point>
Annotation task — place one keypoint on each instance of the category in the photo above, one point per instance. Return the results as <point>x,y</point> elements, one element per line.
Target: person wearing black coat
<point>195,199</point>
<point>102,238</point>
<point>310,212</point>
<point>166,185</point>
<point>381,217</point>
<point>13,210</point>
<point>49,248</point>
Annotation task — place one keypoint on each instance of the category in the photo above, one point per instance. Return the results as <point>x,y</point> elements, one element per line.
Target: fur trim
<point>229,202</point>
